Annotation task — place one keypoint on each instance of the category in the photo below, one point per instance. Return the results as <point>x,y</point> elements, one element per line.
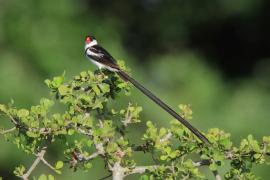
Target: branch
<point>118,172</point>
<point>128,117</point>
<point>100,151</point>
<point>81,157</point>
<point>205,162</point>
<point>105,177</point>
<point>8,131</point>
<point>12,119</point>
<point>167,137</point>
<point>48,164</point>
<point>40,155</point>
<point>142,169</point>
<point>92,156</point>
<point>87,133</point>
<point>216,174</point>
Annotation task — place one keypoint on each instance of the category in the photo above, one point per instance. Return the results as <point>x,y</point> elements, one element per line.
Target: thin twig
<point>92,156</point>
<point>8,131</point>
<point>166,138</point>
<point>142,169</point>
<point>205,162</point>
<point>48,164</point>
<point>128,117</point>
<point>40,155</point>
<point>173,171</point>
<point>110,175</point>
<point>12,119</point>
<point>87,133</point>
<point>216,174</point>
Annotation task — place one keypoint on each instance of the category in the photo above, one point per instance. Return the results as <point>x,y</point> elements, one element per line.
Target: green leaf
<point>266,139</point>
<point>89,143</point>
<point>83,74</point>
<point>32,134</point>
<point>112,147</point>
<point>2,108</point>
<point>174,154</point>
<point>104,87</point>
<point>71,132</point>
<point>96,89</point>
<point>213,167</point>
<point>42,177</point>
<point>58,171</point>
<point>46,103</point>
<point>204,156</point>
<point>257,156</point>
<point>163,157</point>
<point>64,90</point>
<point>162,131</point>
<point>149,124</point>
<point>97,105</point>
<point>88,165</point>
<point>48,82</point>
<point>59,165</point>
<point>50,177</point>
<point>144,177</point>
<point>168,150</point>
<point>19,171</point>
<point>57,81</point>
<point>23,113</point>
<point>122,85</point>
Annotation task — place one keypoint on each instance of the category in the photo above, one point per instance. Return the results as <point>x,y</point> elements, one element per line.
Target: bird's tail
<point>159,102</point>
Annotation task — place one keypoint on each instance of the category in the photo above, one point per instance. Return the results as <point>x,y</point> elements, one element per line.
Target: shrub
<point>90,128</point>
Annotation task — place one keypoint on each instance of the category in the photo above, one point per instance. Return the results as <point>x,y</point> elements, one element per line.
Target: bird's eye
<point>87,39</point>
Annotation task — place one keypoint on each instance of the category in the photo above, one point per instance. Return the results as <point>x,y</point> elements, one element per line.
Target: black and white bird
<point>101,58</point>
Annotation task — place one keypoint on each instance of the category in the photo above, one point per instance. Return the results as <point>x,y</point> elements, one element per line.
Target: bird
<point>104,60</point>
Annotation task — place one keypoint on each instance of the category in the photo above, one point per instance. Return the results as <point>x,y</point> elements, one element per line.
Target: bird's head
<point>90,41</point>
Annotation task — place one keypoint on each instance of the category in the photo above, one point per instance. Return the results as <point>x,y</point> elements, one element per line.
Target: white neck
<point>92,43</point>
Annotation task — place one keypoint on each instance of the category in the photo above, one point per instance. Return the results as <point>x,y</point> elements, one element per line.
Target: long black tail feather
<point>159,102</point>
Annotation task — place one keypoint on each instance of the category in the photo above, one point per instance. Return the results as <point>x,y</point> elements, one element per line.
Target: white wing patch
<point>99,65</point>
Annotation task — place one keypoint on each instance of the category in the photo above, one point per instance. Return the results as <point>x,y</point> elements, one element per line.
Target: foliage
<point>90,128</point>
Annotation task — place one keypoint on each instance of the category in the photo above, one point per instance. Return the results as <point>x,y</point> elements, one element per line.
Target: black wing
<point>102,56</point>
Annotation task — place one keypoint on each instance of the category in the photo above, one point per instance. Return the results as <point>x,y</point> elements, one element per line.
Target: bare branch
<point>167,137</point>
<point>128,117</point>
<point>216,174</point>
<point>48,164</point>
<point>205,162</point>
<point>8,131</point>
<point>100,151</point>
<point>142,169</point>
<point>13,120</point>
<point>118,172</point>
<point>92,156</point>
<point>87,133</point>
<point>105,177</point>
<point>40,155</point>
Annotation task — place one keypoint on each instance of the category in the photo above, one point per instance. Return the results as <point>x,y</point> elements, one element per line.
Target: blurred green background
<point>214,55</point>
